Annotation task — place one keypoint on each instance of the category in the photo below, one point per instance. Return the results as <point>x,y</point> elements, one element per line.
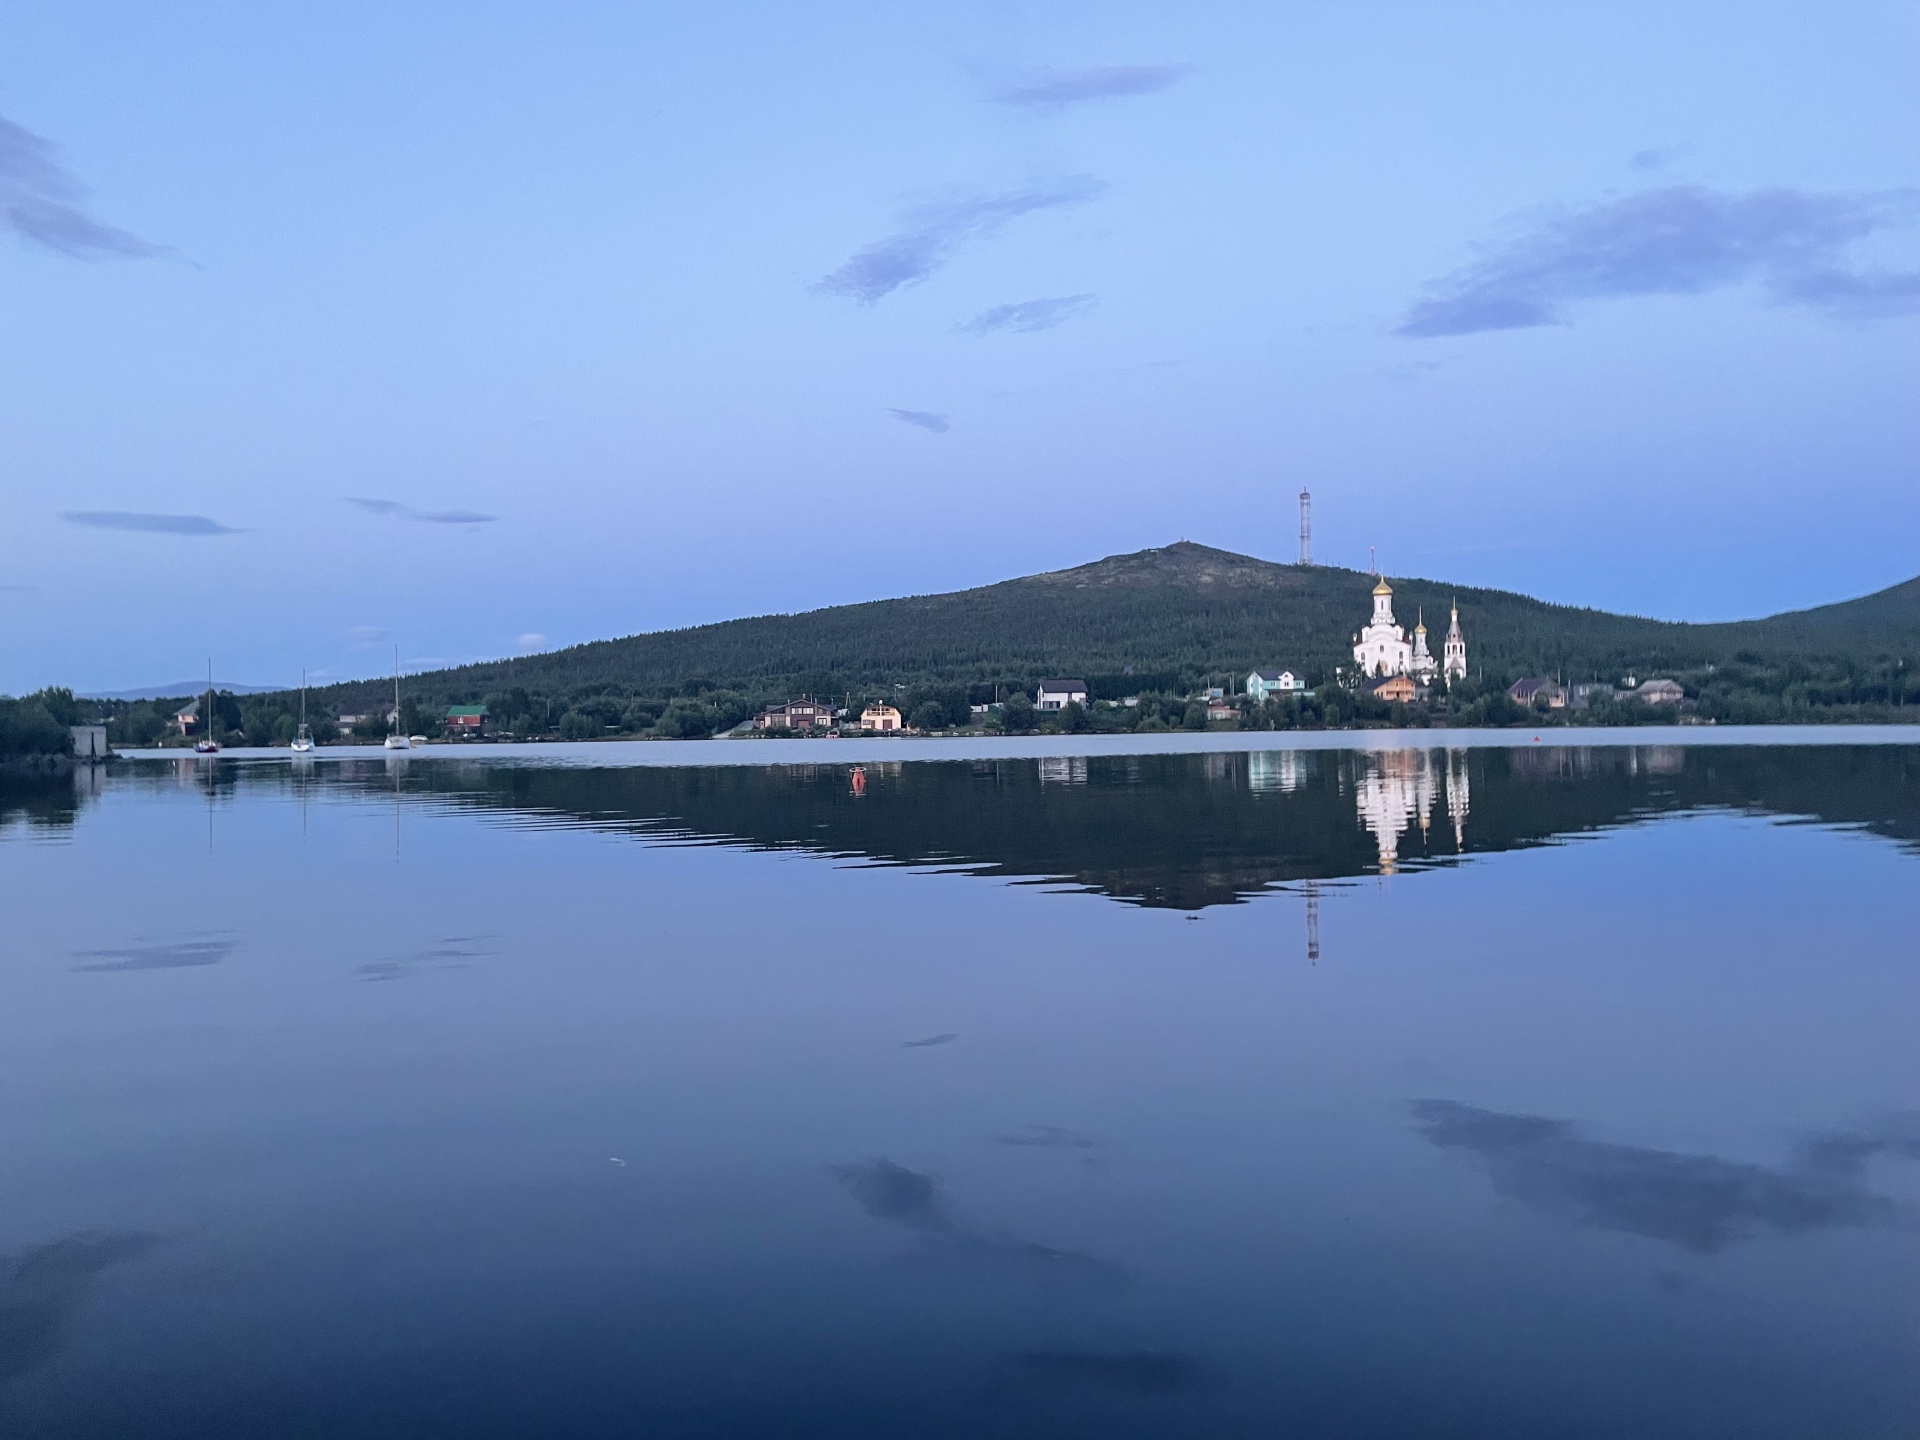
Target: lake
<point>1493,1089</point>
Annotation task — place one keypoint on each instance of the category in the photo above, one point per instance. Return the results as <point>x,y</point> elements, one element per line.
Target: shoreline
<point>621,754</point>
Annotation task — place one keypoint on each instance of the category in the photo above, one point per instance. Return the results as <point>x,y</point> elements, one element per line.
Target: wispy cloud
<point>1053,89</point>
<point>1027,316</point>
<point>935,233</point>
<point>532,640</point>
<point>42,202</point>
<point>398,511</point>
<point>925,419</point>
<point>1698,1202</point>
<point>945,1037</point>
<point>145,523</point>
<point>177,955</point>
<point>1685,240</point>
<point>364,636</point>
<point>1655,157</point>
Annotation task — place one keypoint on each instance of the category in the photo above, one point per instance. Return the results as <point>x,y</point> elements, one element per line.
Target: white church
<point>1383,650</point>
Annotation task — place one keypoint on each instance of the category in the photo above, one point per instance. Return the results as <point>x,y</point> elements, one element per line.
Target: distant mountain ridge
<point>182,690</point>
<point>1183,609</point>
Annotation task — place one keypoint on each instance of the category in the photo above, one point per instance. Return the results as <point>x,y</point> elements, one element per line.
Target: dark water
<point>1481,1093</point>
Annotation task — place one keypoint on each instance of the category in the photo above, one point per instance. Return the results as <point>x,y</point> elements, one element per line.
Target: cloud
<point>532,640</point>
<point>425,517</point>
<point>1654,158</point>
<point>1685,240</point>
<point>147,524</point>
<point>1698,1202</point>
<point>946,1037</point>
<point>936,233</point>
<point>925,419</point>
<point>1127,1372</point>
<point>48,1286</point>
<point>179,955</point>
<point>1055,89</point>
<point>363,636</point>
<point>1050,1137</point>
<point>40,201</point>
<point>456,952</point>
<point>1026,316</point>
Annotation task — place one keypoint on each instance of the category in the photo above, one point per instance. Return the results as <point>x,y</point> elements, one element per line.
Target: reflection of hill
<point>1187,831</point>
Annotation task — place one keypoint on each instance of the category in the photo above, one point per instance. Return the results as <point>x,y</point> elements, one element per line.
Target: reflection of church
<point>1382,649</point>
<point>1400,784</point>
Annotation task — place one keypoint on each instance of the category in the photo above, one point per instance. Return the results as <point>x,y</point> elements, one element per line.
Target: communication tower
<point>1306,528</point>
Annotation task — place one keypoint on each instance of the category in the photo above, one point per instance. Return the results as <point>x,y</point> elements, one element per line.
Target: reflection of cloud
<point>1129,1372</point>
<point>887,1191</point>
<point>925,419</point>
<point>1685,240</point>
<point>179,955</point>
<point>945,1037</point>
<point>1050,1137</point>
<point>936,233</point>
<point>453,953</point>
<point>1053,89</point>
<point>1698,1202</point>
<point>48,1285</point>
<point>42,202</point>
<point>900,1196</point>
<point>1027,316</point>
<point>425,517</point>
<point>143,523</point>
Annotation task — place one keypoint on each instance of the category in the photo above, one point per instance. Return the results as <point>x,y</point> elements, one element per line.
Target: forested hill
<point>1177,614</point>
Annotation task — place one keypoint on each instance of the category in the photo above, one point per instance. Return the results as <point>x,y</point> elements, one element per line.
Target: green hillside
<point>1168,620</point>
<point>1183,609</point>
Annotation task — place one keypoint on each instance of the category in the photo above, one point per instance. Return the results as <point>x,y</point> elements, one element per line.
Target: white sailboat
<point>303,741</point>
<point>397,736</point>
<point>207,744</point>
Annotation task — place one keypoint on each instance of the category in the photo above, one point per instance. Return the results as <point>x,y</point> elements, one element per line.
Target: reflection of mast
<point>1458,797</point>
<point>1313,922</point>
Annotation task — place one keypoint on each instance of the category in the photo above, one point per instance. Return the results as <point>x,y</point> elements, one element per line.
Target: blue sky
<point>475,329</point>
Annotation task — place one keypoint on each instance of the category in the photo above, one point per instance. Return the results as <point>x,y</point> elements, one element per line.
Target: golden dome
<point>1383,588</point>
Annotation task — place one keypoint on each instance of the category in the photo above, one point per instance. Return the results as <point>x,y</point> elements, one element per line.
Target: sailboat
<point>207,744</point>
<point>397,737</point>
<point>303,741</point>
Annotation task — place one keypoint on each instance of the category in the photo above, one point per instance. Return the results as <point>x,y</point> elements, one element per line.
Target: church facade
<point>1382,649</point>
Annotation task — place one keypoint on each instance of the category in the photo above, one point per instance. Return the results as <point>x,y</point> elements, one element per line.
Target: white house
<point>1058,694</point>
<point>1660,692</point>
<point>1263,683</point>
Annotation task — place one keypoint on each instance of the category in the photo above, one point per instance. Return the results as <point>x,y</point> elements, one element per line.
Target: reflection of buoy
<point>859,780</point>
<point>1536,739</point>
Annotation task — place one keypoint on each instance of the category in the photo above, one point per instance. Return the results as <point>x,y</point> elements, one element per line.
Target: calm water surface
<point>1478,1093</point>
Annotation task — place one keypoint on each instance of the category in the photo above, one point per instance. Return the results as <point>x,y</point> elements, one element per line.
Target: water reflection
<point>49,1284</point>
<point>1177,831</point>
<point>1698,1202</point>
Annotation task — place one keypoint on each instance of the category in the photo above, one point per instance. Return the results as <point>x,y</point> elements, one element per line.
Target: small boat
<point>396,737</point>
<point>206,744</point>
<point>303,741</point>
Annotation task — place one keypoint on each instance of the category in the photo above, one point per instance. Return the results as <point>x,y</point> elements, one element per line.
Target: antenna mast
<point>1306,528</point>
